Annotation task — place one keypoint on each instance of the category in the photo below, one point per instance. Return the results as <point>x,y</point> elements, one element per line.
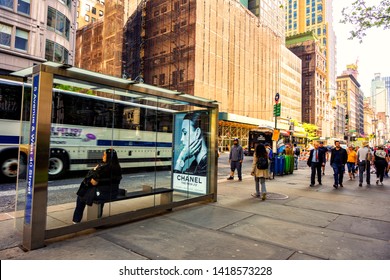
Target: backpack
<point>297,151</point>
<point>262,163</point>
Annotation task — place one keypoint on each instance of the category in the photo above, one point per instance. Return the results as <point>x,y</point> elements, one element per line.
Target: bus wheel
<point>9,166</point>
<point>58,165</point>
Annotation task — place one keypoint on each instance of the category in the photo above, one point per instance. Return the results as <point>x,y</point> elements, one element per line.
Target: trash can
<point>289,168</point>
<point>279,165</point>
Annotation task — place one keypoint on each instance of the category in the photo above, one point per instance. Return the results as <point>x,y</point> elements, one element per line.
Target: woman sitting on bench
<point>100,185</point>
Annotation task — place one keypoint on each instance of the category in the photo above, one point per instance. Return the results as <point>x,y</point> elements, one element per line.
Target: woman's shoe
<point>377,182</point>
<point>255,195</point>
<point>263,196</point>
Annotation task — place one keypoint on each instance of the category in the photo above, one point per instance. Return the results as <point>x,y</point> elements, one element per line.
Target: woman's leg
<point>257,186</point>
<point>79,210</point>
<point>263,189</point>
<point>382,171</point>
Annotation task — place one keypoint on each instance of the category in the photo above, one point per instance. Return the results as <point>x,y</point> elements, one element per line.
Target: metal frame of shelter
<point>35,229</point>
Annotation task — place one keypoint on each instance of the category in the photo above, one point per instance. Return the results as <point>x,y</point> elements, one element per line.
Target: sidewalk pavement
<point>297,222</point>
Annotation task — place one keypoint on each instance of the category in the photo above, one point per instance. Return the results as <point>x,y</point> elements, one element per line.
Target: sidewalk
<point>296,222</point>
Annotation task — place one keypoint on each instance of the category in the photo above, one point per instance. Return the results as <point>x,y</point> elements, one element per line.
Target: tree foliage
<point>364,17</point>
<point>72,88</point>
<point>310,129</point>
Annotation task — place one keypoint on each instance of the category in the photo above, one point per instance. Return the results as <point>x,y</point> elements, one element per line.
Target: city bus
<point>82,127</point>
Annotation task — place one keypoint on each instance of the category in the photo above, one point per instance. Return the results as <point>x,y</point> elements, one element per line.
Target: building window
<point>7,3</point>
<point>93,19</point>
<point>100,13</point>
<point>154,80</point>
<point>94,10</point>
<point>58,22</point>
<point>161,79</point>
<point>68,3</point>
<point>87,7</point>
<point>24,6</point>
<point>86,18</point>
<point>55,52</point>
<point>21,39</point>
<point>5,35</point>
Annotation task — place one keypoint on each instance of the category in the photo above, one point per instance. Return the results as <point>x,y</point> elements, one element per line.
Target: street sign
<point>277,110</point>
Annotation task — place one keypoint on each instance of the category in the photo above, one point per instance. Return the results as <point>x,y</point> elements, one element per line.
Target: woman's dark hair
<point>260,150</point>
<point>112,158</point>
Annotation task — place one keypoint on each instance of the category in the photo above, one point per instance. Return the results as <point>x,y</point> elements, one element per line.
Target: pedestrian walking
<point>271,165</point>
<point>260,170</point>
<point>351,162</point>
<point>315,162</point>
<point>297,153</point>
<point>381,160</point>
<point>356,165</point>
<point>338,159</point>
<point>325,150</point>
<point>364,158</point>
<point>236,156</point>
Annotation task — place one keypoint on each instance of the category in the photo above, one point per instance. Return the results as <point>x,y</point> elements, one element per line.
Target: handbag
<point>87,192</point>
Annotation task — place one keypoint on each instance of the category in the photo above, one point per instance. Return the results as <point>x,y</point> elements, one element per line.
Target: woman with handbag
<point>100,185</point>
<point>260,170</point>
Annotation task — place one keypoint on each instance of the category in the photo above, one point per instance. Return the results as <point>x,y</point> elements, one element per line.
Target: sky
<point>373,53</point>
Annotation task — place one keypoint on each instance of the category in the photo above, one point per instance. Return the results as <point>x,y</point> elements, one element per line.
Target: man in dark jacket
<point>338,160</point>
<point>315,162</point>
<point>236,157</point>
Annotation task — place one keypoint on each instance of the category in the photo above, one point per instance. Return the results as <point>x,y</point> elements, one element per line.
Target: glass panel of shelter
<point>148,134</point>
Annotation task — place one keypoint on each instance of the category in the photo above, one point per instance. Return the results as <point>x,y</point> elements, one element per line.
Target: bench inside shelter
<point>93,212</point>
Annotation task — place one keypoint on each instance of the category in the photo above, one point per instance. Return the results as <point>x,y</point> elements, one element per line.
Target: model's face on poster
<point>188,133</point>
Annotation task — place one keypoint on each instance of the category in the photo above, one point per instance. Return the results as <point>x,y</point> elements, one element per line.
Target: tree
<point>310,129</point>
<point>364,17</point>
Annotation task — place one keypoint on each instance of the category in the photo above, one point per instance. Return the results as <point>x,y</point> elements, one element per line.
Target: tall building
<point>317,16</point>
<point>32,32</point>
<point>212,49</point>
<point>316,106</point>
<point>291,86</point>
<point>380,103</point>
<point>350,94</point>
<point>89,11</point>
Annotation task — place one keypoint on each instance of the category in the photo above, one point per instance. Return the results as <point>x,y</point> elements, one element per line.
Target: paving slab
<point>82,248</point>
<point>314,241</point>
<point>344,208</point>
<point>10,236</point>
<point>164,238</point>
<point>362,226</point>
<point>209,216</point>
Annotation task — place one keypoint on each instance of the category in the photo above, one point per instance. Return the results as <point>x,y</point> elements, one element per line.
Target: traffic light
<point>346,119</point>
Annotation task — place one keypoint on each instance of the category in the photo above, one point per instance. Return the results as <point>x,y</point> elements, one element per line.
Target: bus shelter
<point>165,142</point>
